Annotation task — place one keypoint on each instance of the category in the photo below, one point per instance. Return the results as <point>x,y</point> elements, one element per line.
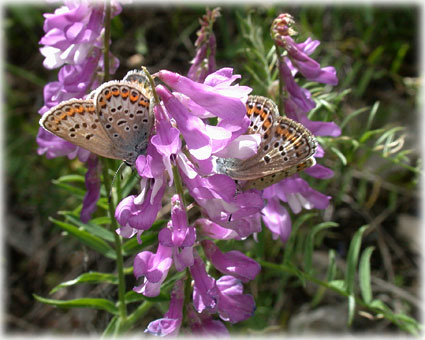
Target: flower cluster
<point>73,42</point>
<point>207,111</point>
<point>203,63</point>
<point>227,213</point>
<point>297,103</point>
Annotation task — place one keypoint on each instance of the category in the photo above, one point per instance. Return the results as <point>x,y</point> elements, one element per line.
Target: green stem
<point>118,243</point>
<point>281,99</point>
<point>187,295</point>
<point>107,180</point>
<point>152,84</point>
<point>179,186</point>
<point>106,37</point>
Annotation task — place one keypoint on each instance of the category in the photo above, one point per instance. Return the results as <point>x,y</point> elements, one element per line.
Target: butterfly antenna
<point>113,179</point>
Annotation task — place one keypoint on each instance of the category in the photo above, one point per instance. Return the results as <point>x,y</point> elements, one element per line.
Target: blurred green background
<point>375,52</point>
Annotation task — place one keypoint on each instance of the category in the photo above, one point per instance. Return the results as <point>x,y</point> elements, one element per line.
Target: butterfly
<point>286,148</point>
<point>114,121</point>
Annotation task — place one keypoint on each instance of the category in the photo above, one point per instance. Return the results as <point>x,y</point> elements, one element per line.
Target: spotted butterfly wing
<point>124,112</point>
<point>76,121</point>
<point>286,147</point>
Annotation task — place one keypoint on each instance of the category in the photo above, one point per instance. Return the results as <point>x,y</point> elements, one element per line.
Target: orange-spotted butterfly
<point>286,147</point>
<point>115,121</point>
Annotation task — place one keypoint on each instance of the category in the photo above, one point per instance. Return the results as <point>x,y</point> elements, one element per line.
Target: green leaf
<point>131,296</point>
<point>372,115</point>
<point>102,220</point>
<point>351,309</point>
<point>351,116</point>
<point>133,246</point>
<point>71,178</point>
<point>309,245</point>
<point>91,227</point>
<point>370,133</point>
<point>290,244</point>
<point>330,275</point>
<point>92,277</point>
<point>339,154</point>
<point>136,316</point>
<point>86,238</point>
<point>380,305</point>
<point>70,188</point>
<point>352,258</point>
<point>94,303</point>
<point>338,285</point>
<point>364,274</point>
<point>112,329</point>
<point>331,272</point>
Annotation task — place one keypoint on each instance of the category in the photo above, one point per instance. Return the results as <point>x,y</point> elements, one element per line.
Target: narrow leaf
<point>351,309</point>
<point>112,329</point>
<point>92,228</point>
<point>86,238</point>
<point>309,246</point>
<point>364,275</point>
<point>338,285</point>
<point>71,178</point>
<point>339,154</point>
<point>352,259</point>
<point>92,277</point>
<point>94,303</point>
<point>132,296</point>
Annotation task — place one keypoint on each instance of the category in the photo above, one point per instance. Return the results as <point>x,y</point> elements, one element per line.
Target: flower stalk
<point>107,181</point>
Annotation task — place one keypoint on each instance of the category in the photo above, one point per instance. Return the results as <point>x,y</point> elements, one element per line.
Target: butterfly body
<point>286,147</point>
<point>114,121</point>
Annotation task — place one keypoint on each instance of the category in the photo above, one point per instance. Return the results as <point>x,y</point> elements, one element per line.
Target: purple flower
<point>300,97</point>
<point>213,230</point>
<point>204,324</point>
<point>277,219</point>
<point>217,196</point>
<point>215,95</point>
<point>204,290</point>
<point>204,62</point>
<point>233,262</point>
<point>309,68</point>
<point>172,320</point>
<point>93,188</point>
<point>179,236</point>
<point>139,212</point>
<point>73,41</point>
<point>298,194</point>
<point>72,32</point>
<point>192,128</point>
<point>154,267</point>
<point>233,305</point>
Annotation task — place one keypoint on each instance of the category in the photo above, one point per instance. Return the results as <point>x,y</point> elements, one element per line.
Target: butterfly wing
<point>265,181</point>
<point>285,144</point>
<point>124,113</point>
<point>76,121</point>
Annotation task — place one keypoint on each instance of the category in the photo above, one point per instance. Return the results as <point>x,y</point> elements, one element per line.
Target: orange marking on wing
<point>143,103</point>
<point>134,98</point>
<point>124,94</point>
<point>116,93</point>
<point>108,95</point>
<point>267,124</point>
